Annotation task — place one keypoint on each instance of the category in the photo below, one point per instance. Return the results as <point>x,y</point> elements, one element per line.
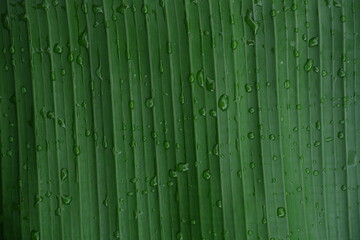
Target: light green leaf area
<point>179,119</point>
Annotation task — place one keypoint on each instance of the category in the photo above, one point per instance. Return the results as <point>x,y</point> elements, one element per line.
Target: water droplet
<point>215,150</point>
<point>173,173</point>
<point>183,167</point>
<point>308,65</point>
<point>210,84</point>
<point>83,39</point>
<point>254,25</point>
<point>212,113</point>
<point>76,150</point>
<point>340,135</point>
<point>223,102</point>
<point>149,102</point>
<point>37,199</point>
<point>314,42</point>
<point>272,137</point>
<point>294,7</point>
<point>58,48</point>
<point>341,73</point>
<point>98,9</point>
<point>166,145</point>
<point>50,115</point>
<point>122,8</point>
<point>200,78</point>
<point>144,9</point>
<point>202,112</point>
<point>272,13</point>
<point>248,88</point>
<point>206,175</point>
<point>251,110</point>
<point>61,123</point>
<point>280,212</point>
<point>234,44</point>
<point>39,148</point>
<point>251,135</point>
<point>169,47</point>
<point>343,187</point>
<point>153,182</point>
<point>131,105</point>
<point>252,165</point>
<point>87,133</point>
<point>296,53</point>
<point>66,199</point>
<point>179,236</point>
<point>116,234</point>
<point>64,174</point>
<point>35,235</point>
<point>191,78</point>
<point>23,90</point>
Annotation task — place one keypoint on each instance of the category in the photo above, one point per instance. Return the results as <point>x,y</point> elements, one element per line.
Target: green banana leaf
<point>179,119</point>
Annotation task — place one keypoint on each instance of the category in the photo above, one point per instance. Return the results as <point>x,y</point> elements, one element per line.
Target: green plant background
<point>179,119</point>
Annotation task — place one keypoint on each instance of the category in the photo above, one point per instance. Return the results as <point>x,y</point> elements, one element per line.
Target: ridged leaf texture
<point>180,119</point>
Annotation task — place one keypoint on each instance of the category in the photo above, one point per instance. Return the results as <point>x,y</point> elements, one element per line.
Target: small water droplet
<point>341,73</point>
<point>37,199</point>
<point>212,113</point>
<point>131,105</point>
<point>149,102</point>
<point>314,41</point>
<point>153,182</point>
<point>280,212</point>
<point>191,78</point>
<point>272,137</point>
<point>76,150</point>
<point>308,65</point>
<point>287,84</point>
<point>173,173</point>
<point>251,135</point>
<point>35,235</point>
<point>200,78</point>
<point>206,175</point>
<point>202,112</point>
<point>210,84</point>
<point>254,25</point>
<point>66,199</point>
<point>64,174</point>
<point>58,48</point>
<point>183,167</point>
<point>340,135</point>
<point>234,44</point>
<point>223,102</point>
<point>166,145</point>
<point>83,39</point>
